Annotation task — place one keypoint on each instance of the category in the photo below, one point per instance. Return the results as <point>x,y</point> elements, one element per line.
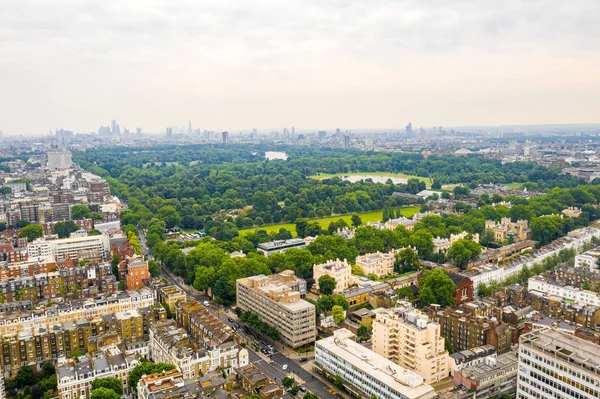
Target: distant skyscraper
<point>138,131</point>
<point>115,130</point>
<point>225,137</point>
<point>169,132</point>
<point>347,141</point>
<point>408,129</point>
<point>293,131</point>
<point>189,130</point>
<point>368,144</point>
<point>322,134</point>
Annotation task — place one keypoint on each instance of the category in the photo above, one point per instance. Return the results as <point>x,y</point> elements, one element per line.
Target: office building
<point>379,264</point>
<point>346,141</point>
<point>553,364</point>
<point>59,159</point>
<point>169,132</point>
<point>407,337</point>
<point>77,248</point>
<point>277,300</point>
<point>269,248</point>
<point>225,136</point>
<point>365,373</point>
<point>494,377</point>
<point>340,270</point>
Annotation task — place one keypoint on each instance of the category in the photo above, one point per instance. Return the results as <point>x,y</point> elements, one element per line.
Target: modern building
<point>225,137</point>
<point>365,373</point>
<point>407,337</point>
<point>59,160</point>
<point>340,270</point>
<point>553,364</point>
<point>495,377</point>
<point>269,248</point>
<point>76,248</point>
<point>277,300</point>
<point>379,264</point>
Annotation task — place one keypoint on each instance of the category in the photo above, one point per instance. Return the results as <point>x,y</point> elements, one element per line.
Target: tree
<point>422,240</point>
<point>154,268</point>
<point>326,303</point>
<point>64,229</point>
<point>31,231</point>
<point>340,300</point>
<point>487,237</point>
<point>356,220</point>
<point>122,285</point>
<point>406,292</point>
<point>448,346</point>
<point>169,215</point>
<point>310,395</point>
<point>288,382</point>
<point>462,251</point>
<point>79,212</point>
<point>104,393</point>
<point>406,260</point>
<point>146,368</point>
<point>114,263</point>
<point>338,382</point>
<point>301,225</point>
<point>294,390</point>
<point>338,314</point>
<point>326,284</point>
<point>436,287</point>
<point>109,383</point>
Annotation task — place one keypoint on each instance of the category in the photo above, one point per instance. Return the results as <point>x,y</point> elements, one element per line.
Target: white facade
<point>340,270</point>
<point>366,373</point>
<point>59,160</point>
<point>68,247</point>
<point>380,264</point>
<point>553,364</point>
<point>588,261</point>
<point>540,284</point>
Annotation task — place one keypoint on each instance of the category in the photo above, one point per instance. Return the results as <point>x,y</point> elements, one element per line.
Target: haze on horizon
<point>349,63</point>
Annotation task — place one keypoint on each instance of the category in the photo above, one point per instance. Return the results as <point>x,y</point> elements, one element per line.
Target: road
<point>273,366</point>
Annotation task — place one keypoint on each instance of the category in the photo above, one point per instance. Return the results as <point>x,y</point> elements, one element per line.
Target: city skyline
<point>226,65</point>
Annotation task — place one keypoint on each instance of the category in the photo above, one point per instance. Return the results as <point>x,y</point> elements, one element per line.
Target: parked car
<point>285,367</point>
<point>229,319</point>
<point>303,359</point>
<point>206,303</point>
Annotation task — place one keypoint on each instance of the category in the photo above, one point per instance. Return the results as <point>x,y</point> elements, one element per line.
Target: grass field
<point>515,186</point>
<point>322,176</point>
<point>374,216</point>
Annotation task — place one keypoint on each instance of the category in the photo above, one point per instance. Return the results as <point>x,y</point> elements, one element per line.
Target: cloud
<point>77,63</point>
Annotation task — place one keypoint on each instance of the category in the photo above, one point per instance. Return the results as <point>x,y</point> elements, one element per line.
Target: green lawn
<point>515,186</point>
<point>322,176</point>
<point>374,216</point>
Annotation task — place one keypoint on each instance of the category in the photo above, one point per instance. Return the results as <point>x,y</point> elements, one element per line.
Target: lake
<point>271,155</point>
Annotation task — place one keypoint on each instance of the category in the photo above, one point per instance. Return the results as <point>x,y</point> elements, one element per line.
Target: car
<point>229,319</point>
<point>285,367</point>
<point>302,389</point>
<point>263,350</point>
<point>303,359</point>
<point>206,303</point>
<point>226,310</point>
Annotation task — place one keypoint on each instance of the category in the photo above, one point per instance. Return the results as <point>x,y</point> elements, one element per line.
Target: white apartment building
<point>364,372</point>
<point>488,273</point>
<point>407,337</point>
<point>87,309</point>
<point>75,376</point>
<point>74,248</point>
<point>553,364</point>
<point>539,284</point>
<point>277,301</point>
<point>59,159</point>
<point>380,264</point>
<point>587,261</point>
<point>340,270</point>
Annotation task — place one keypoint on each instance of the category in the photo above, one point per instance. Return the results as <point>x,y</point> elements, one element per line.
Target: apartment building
<point>255,381</point>
<point>77,248</point>
<point>75,376</point>
<point>137,273</point>
<point>171,385</point>
<point>519,230</point>
<point>553,364</point>
<point>340,270</point>
<point>203,325</point>
<point>494,377</point>
<point>365,373</point>
<point>378,263</point>
<point>172,344</point>
<point>542,285</point>
<point>277,302</point>
<point>588,261</point>
<point>46,317</point>
<point>407,337</point>
<point>171,295</point>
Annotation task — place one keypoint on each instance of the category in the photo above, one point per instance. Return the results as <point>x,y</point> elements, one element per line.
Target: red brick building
<point>137,273</point>
<point>464,288</point>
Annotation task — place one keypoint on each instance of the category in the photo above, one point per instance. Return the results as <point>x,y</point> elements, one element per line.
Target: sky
<point>242,64</point>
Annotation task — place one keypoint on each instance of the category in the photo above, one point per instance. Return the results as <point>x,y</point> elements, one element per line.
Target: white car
<point>285,367</point>
<point>206,303</point>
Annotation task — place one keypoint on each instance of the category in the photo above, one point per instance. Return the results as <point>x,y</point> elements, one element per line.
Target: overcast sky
<point>233,64</point>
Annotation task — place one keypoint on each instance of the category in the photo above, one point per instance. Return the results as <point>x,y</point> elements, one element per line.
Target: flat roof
<point>404,381</point>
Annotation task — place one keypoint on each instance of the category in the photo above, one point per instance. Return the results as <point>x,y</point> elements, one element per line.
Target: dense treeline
<point>222,189</point>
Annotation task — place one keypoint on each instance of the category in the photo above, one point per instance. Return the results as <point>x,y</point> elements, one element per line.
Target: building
<point>268,248</point>
<point>379,264</point>
<point>341,271</point>
<point>202,325</point>
<point>171,295</point>
<point>364,372</point>
<point>571,212</point>
<point>76,248</point>
<point>172,385</point>
<point>407,337</point>
<point>137,273</point>
<point>542,285</point>
<point>470,357</point>
<point>225,137</point>
<point>494,377</point>
<point>255,381</point>
<point>172,344</point>
<point>277,300</point>
<point>75,376</point>
<point>59,160</point>
<point>559,365</point>
<point>519,230</point>
<point>588,261</point>
<point>464,288</point>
